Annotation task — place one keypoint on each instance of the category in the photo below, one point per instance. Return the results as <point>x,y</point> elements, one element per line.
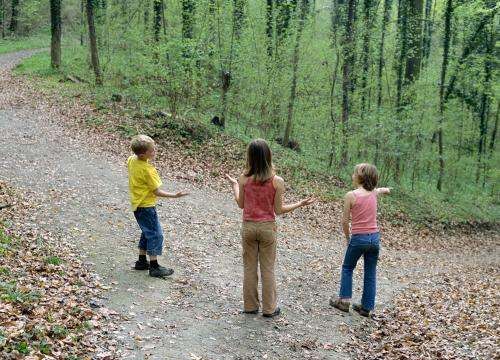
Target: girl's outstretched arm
<point>383,191</point>
<point>237,190</point>
<point>279,206</point>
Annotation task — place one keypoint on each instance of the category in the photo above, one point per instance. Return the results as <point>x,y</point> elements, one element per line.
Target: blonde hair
<point>141,143</point>
<point>366,175</point>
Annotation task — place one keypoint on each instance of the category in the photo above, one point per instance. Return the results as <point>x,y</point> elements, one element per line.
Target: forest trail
<point>195,313</point>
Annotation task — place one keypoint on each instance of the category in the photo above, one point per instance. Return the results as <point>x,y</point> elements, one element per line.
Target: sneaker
<point>141,265</point>
<point>361,310</point>
<point>249,312</point>
<point>160,272</point>
<point>275,313</point>
<point>340,304</point>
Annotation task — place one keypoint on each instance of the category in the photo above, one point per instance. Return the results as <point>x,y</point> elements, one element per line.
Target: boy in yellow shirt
<point>144,186</point>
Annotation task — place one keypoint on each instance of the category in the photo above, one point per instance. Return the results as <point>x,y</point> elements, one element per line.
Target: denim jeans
<point>152,234</point>
<point>367,245</point>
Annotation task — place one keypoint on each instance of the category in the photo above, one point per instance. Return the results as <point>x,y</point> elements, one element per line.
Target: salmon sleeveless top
<point>364,214</point>
<point>259,200</point>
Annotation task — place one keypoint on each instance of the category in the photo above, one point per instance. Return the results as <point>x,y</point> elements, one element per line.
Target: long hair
<point>259,160</point>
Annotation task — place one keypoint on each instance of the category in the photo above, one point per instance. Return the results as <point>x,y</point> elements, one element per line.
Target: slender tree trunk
<point>55,30</point>
<point>401,81</point>
<point>304,8</point>
<point>2,17</point>
<point>485,102</point>
<point>157,8</point>
<point>188,8</point>
<point>14,16</point>
<point>147,6</point>
<point>385,20</point>
<point>446,49</point>
<point>348,45</point>
<point>428,27</point>
<point>269,26</point>
<point>368,24</point>
<point>494,132</point>
<point>414,14</point>
<point>333,118</point>
<point>238,16</point>
<point>93,42</point>
<point>82,21</point>
<point>163,19</point>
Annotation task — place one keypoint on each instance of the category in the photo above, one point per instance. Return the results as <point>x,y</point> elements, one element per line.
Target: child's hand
<point>232,180</point>
<point>308,201</point>
<point>181,194</point>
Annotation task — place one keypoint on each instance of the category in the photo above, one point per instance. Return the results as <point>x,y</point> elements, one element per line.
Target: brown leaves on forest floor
<point>455,316</point>
<point>204,164</point>
<point>49,305</point>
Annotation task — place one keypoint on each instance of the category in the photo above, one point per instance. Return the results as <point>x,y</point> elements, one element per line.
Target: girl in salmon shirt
<point>363,239</point>
<point>259,192</point>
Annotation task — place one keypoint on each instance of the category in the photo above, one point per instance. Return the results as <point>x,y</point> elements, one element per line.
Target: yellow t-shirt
<point>143,179</point>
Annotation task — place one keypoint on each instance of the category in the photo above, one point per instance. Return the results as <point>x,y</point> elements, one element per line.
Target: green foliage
<point>181,78</point>
<point>38,41</point>
<point>53,260</point>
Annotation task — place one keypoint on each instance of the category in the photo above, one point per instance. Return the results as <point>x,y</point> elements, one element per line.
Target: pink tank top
<point>364,214</point>
<point>259,200</point>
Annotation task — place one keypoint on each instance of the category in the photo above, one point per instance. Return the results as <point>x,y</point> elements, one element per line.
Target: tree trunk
<point>55,30</point>
<point>446,50</point>
<point>82,21</point>
<point>14,16</point>
<point>414,15</point>
<point>485,102</point>
<point>428,28</point>
<point>269,26</point>
<point>2,17</point>
<point>93,42</point>
<point>348,54</point>
<point>385,20</point>
<point>304,9</point>
<point>238,16</point>
<point>188,8</point>
<point>494,132</point>
<point>368,22</point>
<point>157,8</point>
<point>163,19</point>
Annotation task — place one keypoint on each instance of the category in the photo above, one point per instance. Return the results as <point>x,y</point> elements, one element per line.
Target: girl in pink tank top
<point>363,238</point>
<point>259,192</point>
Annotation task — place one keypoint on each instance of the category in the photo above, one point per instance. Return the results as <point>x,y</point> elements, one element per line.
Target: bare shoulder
<point>349,196</point>
<point>278,182</point>
<point>243,179</point>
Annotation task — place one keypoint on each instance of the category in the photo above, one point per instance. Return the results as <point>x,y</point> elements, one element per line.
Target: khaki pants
<point>259,246</point>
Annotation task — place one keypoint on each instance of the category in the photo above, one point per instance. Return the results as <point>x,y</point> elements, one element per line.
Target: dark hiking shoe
<point>361,310</point>
<point>141,265</point>
<point>251,312</point>
<point>341,305</point>
<point>160,272</point>
<point>275,313</point>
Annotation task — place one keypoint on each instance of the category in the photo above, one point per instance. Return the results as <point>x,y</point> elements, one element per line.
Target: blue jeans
<point>152,234</point>
<point>367,245</point>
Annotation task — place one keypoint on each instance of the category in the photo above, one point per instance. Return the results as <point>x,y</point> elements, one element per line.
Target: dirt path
<point>193,314</point>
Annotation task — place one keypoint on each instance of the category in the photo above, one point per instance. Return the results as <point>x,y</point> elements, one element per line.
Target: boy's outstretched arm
<point>161,193</point>
<point>279,206</point>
